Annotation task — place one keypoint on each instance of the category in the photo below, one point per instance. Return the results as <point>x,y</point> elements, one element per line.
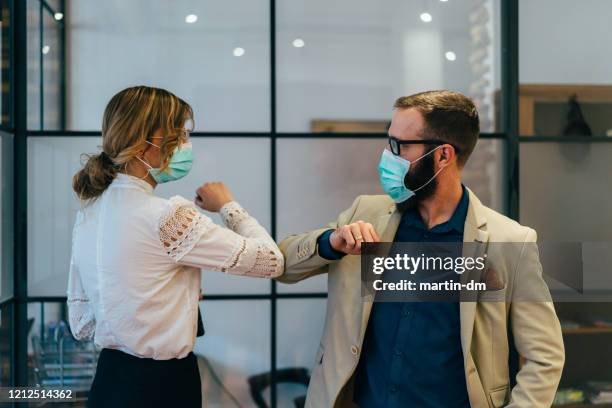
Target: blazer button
<point>354,350</point>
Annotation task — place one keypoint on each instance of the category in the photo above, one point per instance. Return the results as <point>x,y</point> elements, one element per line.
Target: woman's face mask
<point>179,166</point>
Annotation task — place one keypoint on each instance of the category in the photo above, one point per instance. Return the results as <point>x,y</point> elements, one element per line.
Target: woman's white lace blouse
<point>134,277</point>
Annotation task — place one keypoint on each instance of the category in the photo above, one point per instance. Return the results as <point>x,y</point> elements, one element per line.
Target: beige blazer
<point>484,340</point>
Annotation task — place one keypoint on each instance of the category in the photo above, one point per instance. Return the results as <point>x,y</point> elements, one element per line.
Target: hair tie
<point>106,159</point>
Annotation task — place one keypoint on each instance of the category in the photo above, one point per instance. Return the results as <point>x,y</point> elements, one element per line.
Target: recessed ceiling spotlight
<point>298,43</point>
<point>191,18</point>
<point>451,56</point>
<point>238,52</point>
<point>58,16</point>
<point>426,17</point>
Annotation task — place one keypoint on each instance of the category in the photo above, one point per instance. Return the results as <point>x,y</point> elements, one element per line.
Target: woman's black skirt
<point>123,380</point>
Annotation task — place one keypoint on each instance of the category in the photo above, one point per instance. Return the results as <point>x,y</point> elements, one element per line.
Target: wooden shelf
<point>587,330</point>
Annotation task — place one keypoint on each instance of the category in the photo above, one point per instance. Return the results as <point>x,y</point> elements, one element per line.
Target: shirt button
<point>405,313</point>
<point>393,389</point>
<point>398,352</point>
<point>354,350</point>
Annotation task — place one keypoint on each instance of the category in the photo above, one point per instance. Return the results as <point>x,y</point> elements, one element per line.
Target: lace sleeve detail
<point>254,259</point>
<point>82,319</point>
<point>232,215</point>
<point>243,248</point>
<point>180,227</point>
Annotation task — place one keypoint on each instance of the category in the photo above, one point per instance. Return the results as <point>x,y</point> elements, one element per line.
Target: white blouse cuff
<point>232,214</point>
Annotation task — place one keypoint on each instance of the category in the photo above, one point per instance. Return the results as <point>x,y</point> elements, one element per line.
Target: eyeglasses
<point>395,144</point>
<point>183,136</point>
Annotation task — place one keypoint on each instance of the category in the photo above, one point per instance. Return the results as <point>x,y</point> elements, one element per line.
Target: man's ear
<point>446,153</point>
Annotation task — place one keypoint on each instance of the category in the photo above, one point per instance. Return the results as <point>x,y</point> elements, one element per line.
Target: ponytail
<point>95,177</point>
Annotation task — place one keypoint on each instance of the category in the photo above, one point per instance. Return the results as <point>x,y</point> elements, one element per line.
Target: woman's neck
<point>139,171</point>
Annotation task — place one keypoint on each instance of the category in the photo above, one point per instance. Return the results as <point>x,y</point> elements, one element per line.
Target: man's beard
<point>419,176</point>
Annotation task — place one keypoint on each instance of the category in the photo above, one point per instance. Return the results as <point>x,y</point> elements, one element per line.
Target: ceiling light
<point>238,52</point>
<point>191,18</point>
<point>426,17</point>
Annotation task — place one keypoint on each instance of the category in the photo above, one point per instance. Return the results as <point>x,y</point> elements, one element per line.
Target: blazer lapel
<point>477,238</point>
<point>386,225</point>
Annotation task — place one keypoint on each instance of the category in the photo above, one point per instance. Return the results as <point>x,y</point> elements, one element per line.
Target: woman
<point>135,268</point>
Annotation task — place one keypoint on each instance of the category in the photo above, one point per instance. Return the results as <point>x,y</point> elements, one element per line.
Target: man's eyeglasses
<point>395,144</point>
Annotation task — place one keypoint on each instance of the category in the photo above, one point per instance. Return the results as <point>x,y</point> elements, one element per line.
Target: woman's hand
<point>212,196</point>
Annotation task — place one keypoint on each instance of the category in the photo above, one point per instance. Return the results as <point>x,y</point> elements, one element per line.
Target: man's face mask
<point>392,171</point>
<point>179,166</point>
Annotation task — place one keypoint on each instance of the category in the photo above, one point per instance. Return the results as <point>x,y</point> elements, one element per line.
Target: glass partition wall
<point>292,100</point>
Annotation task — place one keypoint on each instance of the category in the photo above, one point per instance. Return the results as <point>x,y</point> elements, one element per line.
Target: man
<point>428,354</point>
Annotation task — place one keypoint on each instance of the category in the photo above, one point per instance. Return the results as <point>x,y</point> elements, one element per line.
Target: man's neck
<point>440,207</point>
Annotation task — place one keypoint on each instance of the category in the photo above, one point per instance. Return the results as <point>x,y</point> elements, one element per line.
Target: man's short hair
<point>449,116</point>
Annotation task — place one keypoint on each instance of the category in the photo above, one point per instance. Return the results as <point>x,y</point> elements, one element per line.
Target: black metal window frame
<point>21,299</point>
<point>17,125</point>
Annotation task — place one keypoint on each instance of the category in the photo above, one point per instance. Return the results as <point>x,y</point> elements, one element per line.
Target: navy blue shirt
<point>411,355</point>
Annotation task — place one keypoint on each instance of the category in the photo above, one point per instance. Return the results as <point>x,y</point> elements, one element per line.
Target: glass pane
<point>243,164</point>
<point>300,324</point>
<point>54,356</point>
<point>5,71</point>
<point>52,161</point>
<point>236,345</point>
<point>569,58</point>
<point>56,5</point>
<point>219,63</point>
<point>52,206</point>
<point>565,190</point>
<point>317,179</point>
<point>6,332</point>
<point>484,173</point>
<point>342,64</point>
<point>34,12</point>
<point>6,211</point>
<point>51,58</point>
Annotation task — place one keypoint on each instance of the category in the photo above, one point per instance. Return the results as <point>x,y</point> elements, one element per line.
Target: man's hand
<point>348,238</point>
<point>212,196</point>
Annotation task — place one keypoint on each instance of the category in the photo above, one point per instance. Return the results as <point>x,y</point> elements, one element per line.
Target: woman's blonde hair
<point>130,119</point>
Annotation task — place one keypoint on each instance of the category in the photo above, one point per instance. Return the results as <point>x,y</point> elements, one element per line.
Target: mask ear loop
<point>430,180</point>
<point>435,175</point>
<point>428,153</point>
<point>143,162</point>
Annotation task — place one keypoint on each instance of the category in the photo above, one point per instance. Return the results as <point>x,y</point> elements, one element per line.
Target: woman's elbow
<point>279,264</point>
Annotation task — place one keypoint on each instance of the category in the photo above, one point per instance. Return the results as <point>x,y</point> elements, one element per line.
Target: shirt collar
<point>456,222</point>
<point>126,179</point>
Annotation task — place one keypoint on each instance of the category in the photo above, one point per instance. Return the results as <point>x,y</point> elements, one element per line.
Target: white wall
<point>115,44</point>
<point>359,56</point>
<point>565,41</point>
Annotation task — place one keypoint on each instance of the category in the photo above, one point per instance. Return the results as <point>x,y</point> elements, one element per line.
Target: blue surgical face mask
<point>180,164</point>
<point>392,172</point>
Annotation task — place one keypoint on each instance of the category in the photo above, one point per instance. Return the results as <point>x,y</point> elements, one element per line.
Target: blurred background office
<point>291,100</point>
